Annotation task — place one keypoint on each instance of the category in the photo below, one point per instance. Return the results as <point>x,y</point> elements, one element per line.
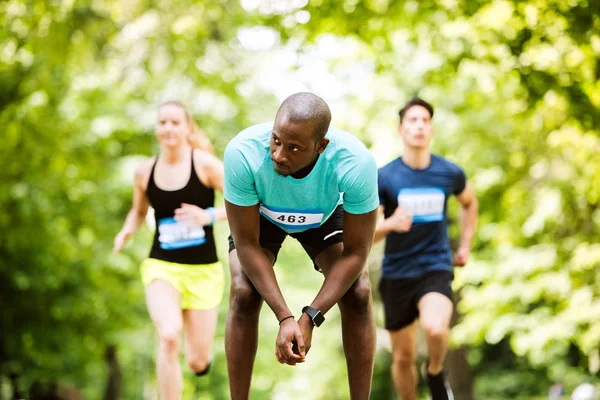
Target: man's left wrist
<point>315,316</point>
<point>304,318</point>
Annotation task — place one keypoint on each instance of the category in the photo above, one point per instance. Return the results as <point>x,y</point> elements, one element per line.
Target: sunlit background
<point>515,86</point>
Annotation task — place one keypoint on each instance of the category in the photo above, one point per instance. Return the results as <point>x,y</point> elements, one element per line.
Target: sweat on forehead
<point>306,107</point>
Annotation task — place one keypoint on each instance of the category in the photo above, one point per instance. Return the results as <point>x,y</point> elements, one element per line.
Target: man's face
<point>416,129</point>
<point>293,146</point>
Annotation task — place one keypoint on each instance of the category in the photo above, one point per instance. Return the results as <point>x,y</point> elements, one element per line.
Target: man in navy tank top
<point>417,276</point>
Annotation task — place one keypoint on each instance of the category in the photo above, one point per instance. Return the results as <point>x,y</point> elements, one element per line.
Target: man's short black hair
<point>307,107</point>
<point>415,101</point>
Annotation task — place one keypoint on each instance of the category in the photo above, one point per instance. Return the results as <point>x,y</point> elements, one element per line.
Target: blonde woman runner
<point>183,277</point>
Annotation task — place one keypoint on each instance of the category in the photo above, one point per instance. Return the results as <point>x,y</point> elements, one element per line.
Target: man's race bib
<point>288,218</point>
<point>425,204</point>
<point>176,235</point>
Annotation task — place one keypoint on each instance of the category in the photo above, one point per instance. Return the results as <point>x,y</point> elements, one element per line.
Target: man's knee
<point>435,313</point>
<point>243,296</point>
<point>404,358</point>
<point>358,297</point>
<point>435,331</point>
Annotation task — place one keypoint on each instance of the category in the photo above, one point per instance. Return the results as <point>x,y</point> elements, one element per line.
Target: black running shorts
<point>401,296</point>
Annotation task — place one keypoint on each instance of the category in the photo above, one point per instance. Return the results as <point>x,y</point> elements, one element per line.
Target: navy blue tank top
<point>177,242</point>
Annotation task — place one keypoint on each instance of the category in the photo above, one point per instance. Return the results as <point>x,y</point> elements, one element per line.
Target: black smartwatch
<point>315,315</point>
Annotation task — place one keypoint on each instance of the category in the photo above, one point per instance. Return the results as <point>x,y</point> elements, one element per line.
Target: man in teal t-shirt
<point>298,177</point>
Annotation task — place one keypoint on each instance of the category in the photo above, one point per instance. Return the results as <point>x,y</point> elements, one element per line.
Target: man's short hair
<point>415,101</point>
<point>307,107</point>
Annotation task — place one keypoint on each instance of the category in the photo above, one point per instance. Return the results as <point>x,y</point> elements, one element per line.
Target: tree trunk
<point>114,382</point>
<point>459,370</point>
<point>14,384</point>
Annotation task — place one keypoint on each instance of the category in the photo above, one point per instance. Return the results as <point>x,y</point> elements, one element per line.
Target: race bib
<point>177,235</point>
<point>288,218</point>
<point>425,204</point>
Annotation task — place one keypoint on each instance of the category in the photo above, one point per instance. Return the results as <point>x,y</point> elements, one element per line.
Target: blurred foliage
<point>516,89</point>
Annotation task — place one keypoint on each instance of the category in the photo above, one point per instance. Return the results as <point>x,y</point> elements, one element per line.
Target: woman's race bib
<point>176,235</point>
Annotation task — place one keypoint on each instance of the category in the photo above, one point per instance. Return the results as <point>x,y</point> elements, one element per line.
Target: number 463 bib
<point>293,219</point>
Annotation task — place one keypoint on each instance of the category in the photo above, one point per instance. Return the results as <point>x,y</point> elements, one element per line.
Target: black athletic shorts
<point>314,240</point>
<point>401,296</point>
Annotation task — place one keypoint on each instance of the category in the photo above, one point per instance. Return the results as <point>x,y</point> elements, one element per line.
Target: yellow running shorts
<point>201,286</point>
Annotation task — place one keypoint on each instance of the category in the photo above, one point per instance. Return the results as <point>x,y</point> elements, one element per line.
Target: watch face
<point>318,319</point>
<point>315,315</point>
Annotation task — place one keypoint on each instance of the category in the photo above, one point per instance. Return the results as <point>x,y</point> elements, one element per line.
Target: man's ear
<point>322,145</point>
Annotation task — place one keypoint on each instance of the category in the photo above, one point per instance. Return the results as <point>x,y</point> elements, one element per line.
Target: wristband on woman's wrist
<point>213,215</point>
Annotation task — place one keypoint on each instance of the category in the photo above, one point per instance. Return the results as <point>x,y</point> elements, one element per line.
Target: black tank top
<point>176,242</point>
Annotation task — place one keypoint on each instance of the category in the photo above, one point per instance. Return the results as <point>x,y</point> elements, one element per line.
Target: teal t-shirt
<point>344,174</point>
